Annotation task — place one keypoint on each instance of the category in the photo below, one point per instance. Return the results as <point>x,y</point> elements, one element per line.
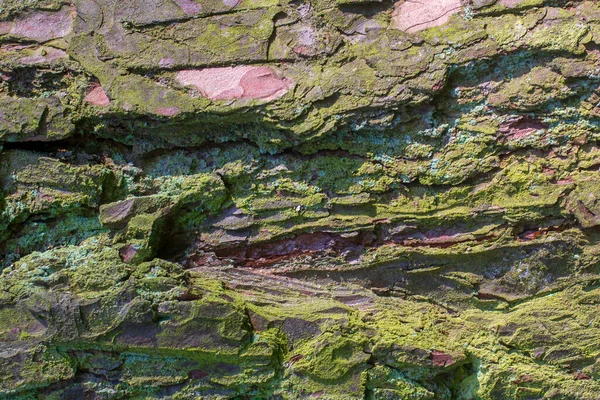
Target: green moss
<point>530,91</point>
<point>332,357</point>
<point>10,8</point>
<point>387,383</point>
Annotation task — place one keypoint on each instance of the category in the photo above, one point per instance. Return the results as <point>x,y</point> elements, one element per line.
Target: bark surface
<point>282,199</point>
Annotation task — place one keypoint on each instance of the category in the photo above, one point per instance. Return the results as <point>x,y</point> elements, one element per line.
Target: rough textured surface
<point>274,199</point>
<point>414,16</point>
<point>231,83</point>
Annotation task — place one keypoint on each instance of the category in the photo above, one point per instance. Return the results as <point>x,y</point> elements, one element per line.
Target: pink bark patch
<point>244,82</point>
<point>580,376</point>
<point>97,96</point>
<point>44,26</point>
<point>5,27</point>
<point>521,127</point>
<point>127,253</point>
<point>306,41</point>
<point>168,111</point>
<point>416,15</point>
<point>440,359</point>
<point>166,62</point>
<point>232,3</point>
<point>190,7</point>
<point>510,3</point>
<point>51,55</point>
<point>566,181</point>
